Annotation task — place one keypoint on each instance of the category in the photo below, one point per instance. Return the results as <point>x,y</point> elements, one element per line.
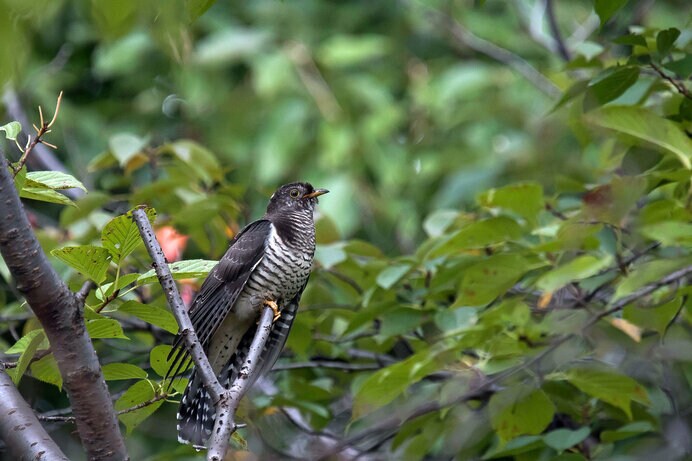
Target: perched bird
<point>267,264</point>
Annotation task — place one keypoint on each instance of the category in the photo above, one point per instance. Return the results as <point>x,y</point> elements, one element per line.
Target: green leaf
<point>29,344</point>
<point>150,313</point>
<point>514,413</point>
<point>399,321</point>
<point>117,371</point>
<point>23,342</point>
<point>647,126</point>
<point>140,392</point>
<point>627,431</point>
<point>158,358</point>
<point>655,318</point>
<point>11,130</point>
<point>646,273</point>
<point>479,234</point>
<point>665,40</point>
<point>88,260</point>
<point>348,50</point>
<point>615,389</point>
<point>125,146</point>
<point>189,269</point>
<point>105,329</point>
<point>522,444</point>
<point>562,439</point>
<point>681,67</point>
<point>391,275</point>
<point>524,199</point>
<point>577,269</point>
<point>605,9</point>
<point>199,159</point>
<point>669,233</point>
<point>385,385</point>
<point>46,370</point>
<point>121,235</point>
<point>490,278</point>
<point>53,180</point>
<point>438,221</point>
<point>612,83</point>
<point>43,194</point>
<point>330,255</point>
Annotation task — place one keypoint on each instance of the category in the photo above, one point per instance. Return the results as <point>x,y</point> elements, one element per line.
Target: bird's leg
<point>274,307</point>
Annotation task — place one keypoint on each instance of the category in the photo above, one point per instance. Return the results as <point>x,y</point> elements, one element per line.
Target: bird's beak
<point>316,193</point>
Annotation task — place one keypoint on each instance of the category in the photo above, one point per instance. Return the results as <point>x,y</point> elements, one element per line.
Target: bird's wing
<point>221,288</point>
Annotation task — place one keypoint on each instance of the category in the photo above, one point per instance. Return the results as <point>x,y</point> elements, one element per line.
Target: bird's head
<point>295,196</point>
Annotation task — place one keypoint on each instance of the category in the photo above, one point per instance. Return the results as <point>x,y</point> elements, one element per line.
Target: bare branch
<point>66,418</point>
<point>226,400</point>
<point>19,427</point>
<point>60,313</point>
<point>555,31</point>
<point>38,139</point>
<point>463,38</point>
<point>682,89</point>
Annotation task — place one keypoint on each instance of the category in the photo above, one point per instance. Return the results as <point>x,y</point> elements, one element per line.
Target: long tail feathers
<point>196,414</point>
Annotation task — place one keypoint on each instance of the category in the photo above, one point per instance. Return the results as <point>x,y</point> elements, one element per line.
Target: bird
<point>268,263</point>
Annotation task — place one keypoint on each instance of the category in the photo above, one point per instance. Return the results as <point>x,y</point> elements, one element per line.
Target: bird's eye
<point>294,193</point>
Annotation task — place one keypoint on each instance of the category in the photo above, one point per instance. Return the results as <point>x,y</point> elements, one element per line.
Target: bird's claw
<point>274,307</point>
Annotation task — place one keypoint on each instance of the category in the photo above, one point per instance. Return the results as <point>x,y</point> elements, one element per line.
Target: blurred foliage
<point>488,225</point>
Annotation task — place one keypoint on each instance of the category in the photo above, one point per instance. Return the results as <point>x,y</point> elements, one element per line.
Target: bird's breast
<point>284,269</point>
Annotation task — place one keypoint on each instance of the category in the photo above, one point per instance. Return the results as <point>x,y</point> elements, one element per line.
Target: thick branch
<point>19,428</point>
<point>226,400</point>
<point>60,313</point>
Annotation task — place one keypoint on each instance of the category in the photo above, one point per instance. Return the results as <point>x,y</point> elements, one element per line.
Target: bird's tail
<point>196,414</point>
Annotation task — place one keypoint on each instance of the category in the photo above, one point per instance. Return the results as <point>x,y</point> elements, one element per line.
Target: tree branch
<point>682,89</point>
<point>60,312</point>
<point>555,31</point>
<point>226,400</point>
<point>462,37</point>
<point>19,427</point>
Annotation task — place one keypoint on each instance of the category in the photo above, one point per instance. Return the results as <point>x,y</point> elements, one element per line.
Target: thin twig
<point>463,38</point>
<point>71,419</point>
<point>40,132</point>
<point>555,31</point>
<point>682,89</point>
<point>333,364</point>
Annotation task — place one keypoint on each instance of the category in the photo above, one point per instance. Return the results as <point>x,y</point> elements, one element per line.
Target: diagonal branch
<point>226,400</point>
<point>60,312</point>
<point>19,427</point>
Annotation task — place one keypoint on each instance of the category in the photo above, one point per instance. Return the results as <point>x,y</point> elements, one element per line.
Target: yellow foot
<point>275,308</point>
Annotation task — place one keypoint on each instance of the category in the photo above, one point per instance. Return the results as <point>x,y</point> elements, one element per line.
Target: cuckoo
<point>267,264</point>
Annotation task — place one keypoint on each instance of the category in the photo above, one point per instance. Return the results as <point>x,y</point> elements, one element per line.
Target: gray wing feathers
<point>222,287</point>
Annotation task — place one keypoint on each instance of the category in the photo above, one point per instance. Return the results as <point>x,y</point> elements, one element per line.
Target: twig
<point>86,288</point>
<point>226,400</point>
<point>313,80</point>
<point>19,427</point>
<point>462,37</point>
<point>70,419</point>
<point>682,89</point>
<point>40,132</point>
<point>334,364</point>
<point>555,31</point>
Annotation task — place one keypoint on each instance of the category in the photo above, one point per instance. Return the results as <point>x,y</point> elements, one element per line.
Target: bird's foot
<point>274,307</point>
